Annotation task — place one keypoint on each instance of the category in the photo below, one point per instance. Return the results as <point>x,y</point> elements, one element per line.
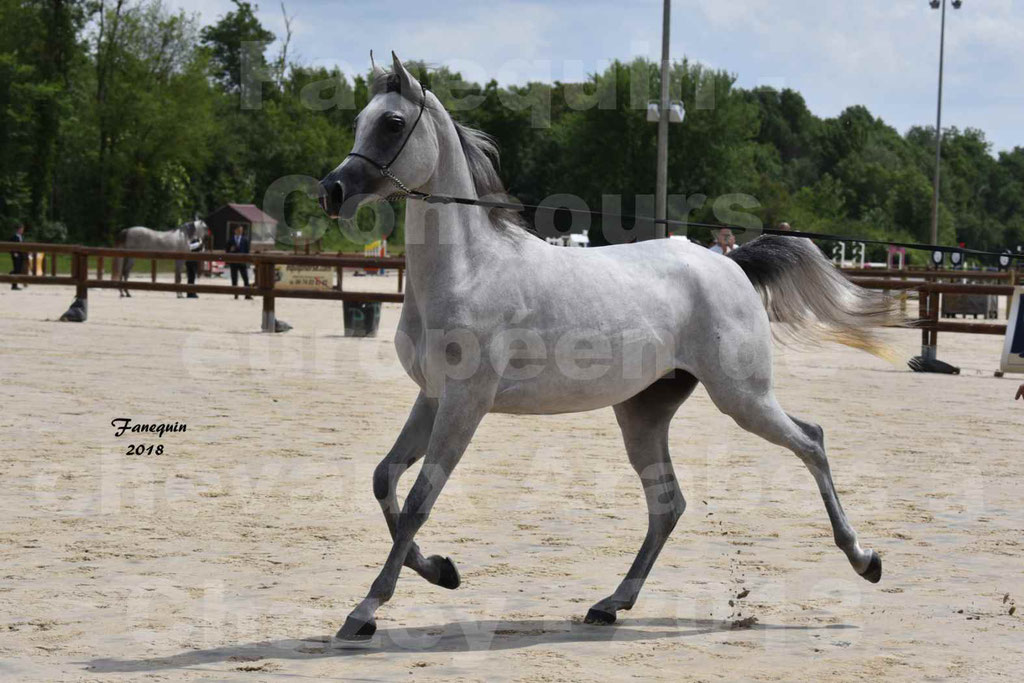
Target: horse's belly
<point>553,395</point>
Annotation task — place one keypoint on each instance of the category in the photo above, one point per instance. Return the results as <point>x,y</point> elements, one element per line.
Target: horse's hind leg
<point>126,271</point>
<point>755,409</point>
<point>410,446</point>
<point>644,420</point>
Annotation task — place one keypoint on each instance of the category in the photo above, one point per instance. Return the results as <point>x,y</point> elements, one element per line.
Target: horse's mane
<point>483,158</point>
<point>479,148</point>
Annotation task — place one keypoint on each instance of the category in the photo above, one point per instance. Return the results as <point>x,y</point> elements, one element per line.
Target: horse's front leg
<point>177,275</point>
<point>459,411</point>
<point>409,447</point>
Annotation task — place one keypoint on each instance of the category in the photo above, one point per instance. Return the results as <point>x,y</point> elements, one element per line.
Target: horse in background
<point>184,238</point>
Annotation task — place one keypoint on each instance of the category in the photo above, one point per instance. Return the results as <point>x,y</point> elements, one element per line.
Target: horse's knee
<point>665,507</point>
<point>667,520</point>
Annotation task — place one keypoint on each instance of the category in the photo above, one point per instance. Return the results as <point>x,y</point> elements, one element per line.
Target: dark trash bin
<point>361,318</point>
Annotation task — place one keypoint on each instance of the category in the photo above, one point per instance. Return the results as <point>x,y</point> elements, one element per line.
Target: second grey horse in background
<point>180,238</point>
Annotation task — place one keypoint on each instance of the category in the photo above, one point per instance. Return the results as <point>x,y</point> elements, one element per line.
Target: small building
<point>259,227</point>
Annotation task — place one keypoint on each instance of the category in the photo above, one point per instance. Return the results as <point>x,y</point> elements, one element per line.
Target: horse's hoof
<point>874,571</point>
<point>448,576</point>
<point>356,629</point>
<point>599,616</point>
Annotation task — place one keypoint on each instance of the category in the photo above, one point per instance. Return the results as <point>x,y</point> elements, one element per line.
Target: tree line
<point>124,112</point>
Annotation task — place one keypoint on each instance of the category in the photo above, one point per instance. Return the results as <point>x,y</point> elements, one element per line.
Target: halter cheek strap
<point>385,169</point>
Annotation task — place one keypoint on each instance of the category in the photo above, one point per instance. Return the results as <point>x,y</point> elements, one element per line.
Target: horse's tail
<point>812,298</point>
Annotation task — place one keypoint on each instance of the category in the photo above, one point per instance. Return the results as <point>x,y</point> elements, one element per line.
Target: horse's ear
<point>375,71</point>
<point>410,86</point>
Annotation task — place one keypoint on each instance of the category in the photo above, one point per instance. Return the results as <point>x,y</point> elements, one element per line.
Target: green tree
<point>235,34</point>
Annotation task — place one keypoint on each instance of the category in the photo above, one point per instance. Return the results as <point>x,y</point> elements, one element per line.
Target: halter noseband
<point>385,169</point>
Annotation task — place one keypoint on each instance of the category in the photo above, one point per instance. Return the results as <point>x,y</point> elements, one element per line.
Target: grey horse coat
<point>147,239</point>
<point>495,320</point>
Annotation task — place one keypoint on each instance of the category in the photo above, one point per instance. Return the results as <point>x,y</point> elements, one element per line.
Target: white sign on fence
<point>1013,347</point>
<point>292,276</point>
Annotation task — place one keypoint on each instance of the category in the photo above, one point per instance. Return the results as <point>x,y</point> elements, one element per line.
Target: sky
<point>836,53</point>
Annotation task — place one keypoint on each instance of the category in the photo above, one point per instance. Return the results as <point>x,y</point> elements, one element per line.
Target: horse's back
<point>140,237</point>
<point>644,309</point>
<point>655,275</point>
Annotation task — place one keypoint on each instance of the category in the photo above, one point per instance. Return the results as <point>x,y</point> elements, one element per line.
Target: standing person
<point>17,257</point>
<point>725,242</point>
<point>239,244</point>
<point>192,267</point>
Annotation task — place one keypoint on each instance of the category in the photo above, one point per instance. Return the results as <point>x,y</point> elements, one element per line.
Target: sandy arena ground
<point>237,553</point>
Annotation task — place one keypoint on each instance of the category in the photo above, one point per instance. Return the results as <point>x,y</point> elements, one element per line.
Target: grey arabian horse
<point>496,320</point>
<point>147,239</point>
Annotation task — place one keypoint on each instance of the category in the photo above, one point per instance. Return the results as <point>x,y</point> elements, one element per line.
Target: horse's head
<point>395,149</point>
<point>196,230</point>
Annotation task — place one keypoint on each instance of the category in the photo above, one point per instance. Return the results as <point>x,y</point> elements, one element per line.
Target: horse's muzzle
<point>332,196</point>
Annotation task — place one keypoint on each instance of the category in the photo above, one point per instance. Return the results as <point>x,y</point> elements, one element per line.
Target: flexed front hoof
<point>448,573</point>
<point>599,616</point>
<point>874,571</point>
<point>356,630</point>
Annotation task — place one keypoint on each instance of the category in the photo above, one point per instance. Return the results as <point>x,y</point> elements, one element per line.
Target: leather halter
<point>385,169</point>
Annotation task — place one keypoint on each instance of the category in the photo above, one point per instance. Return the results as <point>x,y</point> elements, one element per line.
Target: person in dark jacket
<point>238,244</point>
<point>17,257</point>
<point>192,267</point>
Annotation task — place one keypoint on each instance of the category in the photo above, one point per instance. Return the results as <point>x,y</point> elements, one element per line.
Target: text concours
<point>125,425</point>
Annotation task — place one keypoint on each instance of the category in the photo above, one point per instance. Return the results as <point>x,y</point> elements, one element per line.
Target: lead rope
<point>489,204</point>
<point>406,191</point>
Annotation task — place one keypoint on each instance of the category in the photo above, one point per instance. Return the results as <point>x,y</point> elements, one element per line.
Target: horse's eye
<point>394,122</point>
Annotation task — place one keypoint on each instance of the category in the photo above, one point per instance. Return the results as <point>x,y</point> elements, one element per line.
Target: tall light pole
<point>935,4</point>
<point>661,189</point>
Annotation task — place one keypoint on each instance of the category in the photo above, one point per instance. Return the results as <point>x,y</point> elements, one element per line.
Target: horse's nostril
<point>337,194</point>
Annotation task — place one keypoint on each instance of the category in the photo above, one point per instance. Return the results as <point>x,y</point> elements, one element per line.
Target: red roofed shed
<point>259,227</point>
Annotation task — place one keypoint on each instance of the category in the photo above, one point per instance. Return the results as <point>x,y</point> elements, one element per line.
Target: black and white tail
<point>812,299</point>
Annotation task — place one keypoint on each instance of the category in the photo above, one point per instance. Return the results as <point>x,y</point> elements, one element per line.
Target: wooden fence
<point>929,284</point>
<point>87,260</point>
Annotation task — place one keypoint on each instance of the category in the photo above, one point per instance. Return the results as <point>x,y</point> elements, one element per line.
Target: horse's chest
<point>431,352</point>
<point>411,344</point>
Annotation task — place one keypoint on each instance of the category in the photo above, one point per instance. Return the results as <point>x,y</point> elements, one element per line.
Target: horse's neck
<point>442,242</point>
